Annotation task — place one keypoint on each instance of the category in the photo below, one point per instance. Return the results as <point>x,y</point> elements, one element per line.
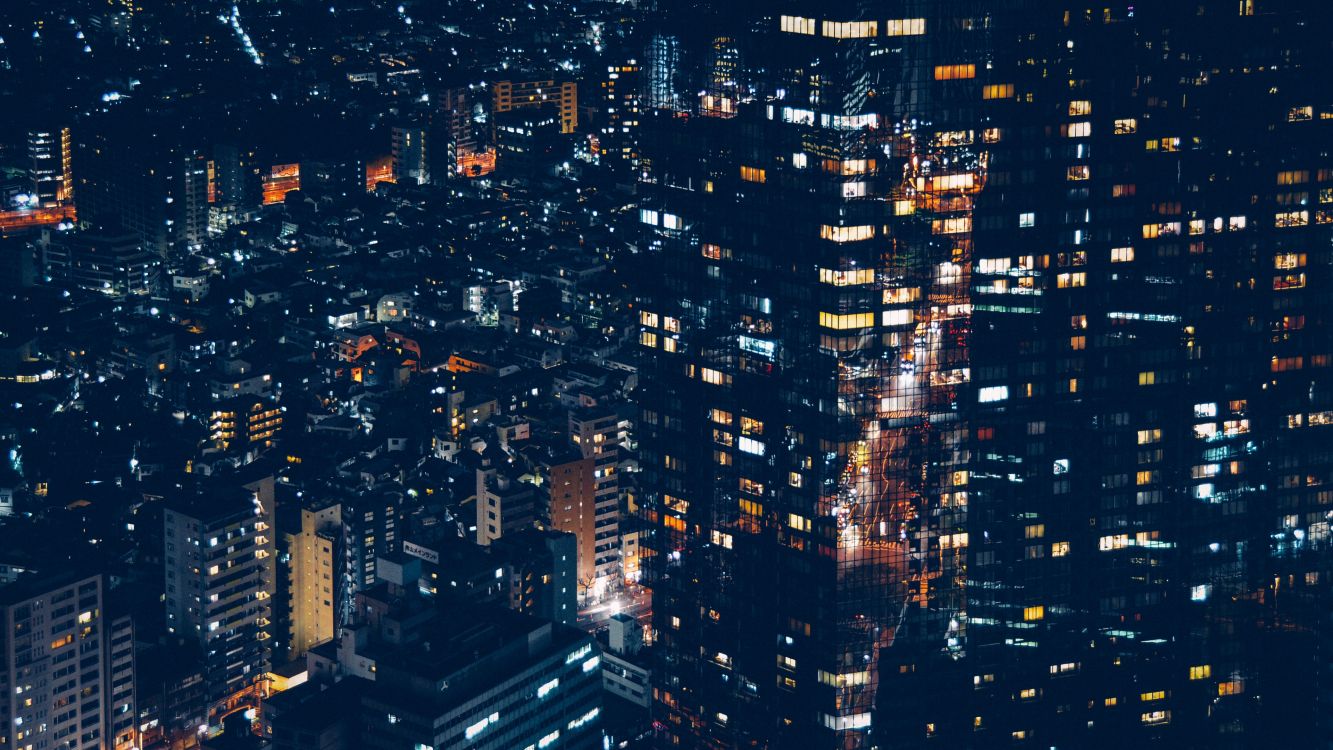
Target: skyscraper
<point>144,171</point>
<point>52,176</point>
<point>600,434</point>
<point>1148,385</point>
<point>803,442</point>
<point>316,576</point>
<point>66,665</point>
<point>219,583</point>
<point>981,372</point>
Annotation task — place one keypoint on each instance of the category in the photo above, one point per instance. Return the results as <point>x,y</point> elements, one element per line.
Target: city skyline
<point>857,374</point>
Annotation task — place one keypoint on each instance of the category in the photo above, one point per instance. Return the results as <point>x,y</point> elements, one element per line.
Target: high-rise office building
<point>66,665</point>
<point>219,567</point>
<point>504,501</point>
<point>245,425</point>
<point>1149,384</point>
<point>612,102</point>
<point>370,520</point>
<point>50,152</point>
<point>571,486</point>
<point>800,450</point>
<point>985,374</point>
<point>316,577</point>
<point>601,434</point>
<point>527,140</point>
<point>114,263</point>
<point>138,173</point>
<point>470,676</point>
<point>560,96</point>
<point>541,564</point>
<point>413,152</point>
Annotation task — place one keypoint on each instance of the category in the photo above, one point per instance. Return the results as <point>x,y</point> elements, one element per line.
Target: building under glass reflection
<point>987,375</point>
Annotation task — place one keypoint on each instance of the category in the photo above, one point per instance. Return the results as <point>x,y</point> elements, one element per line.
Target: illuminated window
<point>1080,108</point>
<point>958,225</point>
<point>849,167</point>
<point>752,446</point>
<point>1059,549</point>
<point>1077,172</point>
<point>1155,695</point>
<point>1122,254</point>
<point>961,181</point>
<point>1284,364</point>
<point>1291,218</point>
<point>1231,687</point>
<point>648,318</point>
<point>905,27</point>
<point>993,393</point>
<point>797,25</point>
<point>713,252</point>
<point>955,72</point>
<point>1287,261</point>
<point>753,174</point>
<point>1077,129</point>
<point>750,486</point>
<point>1026,220</point>
<point>1125,126</point>
<point>998,91</point>
<point>846,234</point>
<point>1289,281</point>
<point>898,317</point>
<point>1165,229</point>
<point>1201,672</point>
<point>901,295</point>
<point>1113,542</point>
<point>719,416</point>
<point>847,278</point>
<point>648,338</point>
<point>846,322</point>
<point>714,377</point>
<point>1071,280</point>
<point>798,522</point>
<point>1034,613</point>
<point>850,29</point>
<point>1147,377</point>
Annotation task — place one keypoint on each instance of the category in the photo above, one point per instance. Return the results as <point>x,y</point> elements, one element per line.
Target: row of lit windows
<point>846,234</point>
<point>955,72</point>
<point>852,29</point>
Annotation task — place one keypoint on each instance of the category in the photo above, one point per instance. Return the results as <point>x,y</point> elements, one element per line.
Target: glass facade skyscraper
<point>985,378</point>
